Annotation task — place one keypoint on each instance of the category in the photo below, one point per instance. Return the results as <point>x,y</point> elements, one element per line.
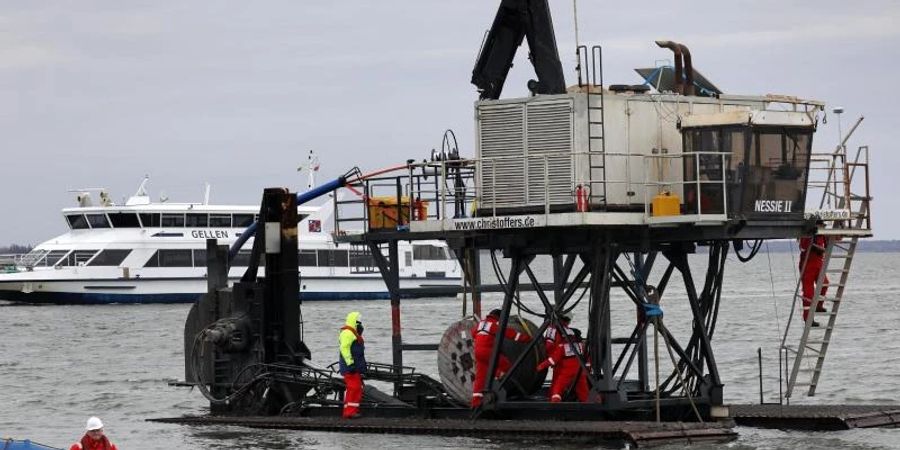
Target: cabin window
<point>361,259</point>
<point>97,220</point>
<point>242,259</point>
<point>172,220</point>
<point>149,220</point>
<point>764,170</point>
<point>77,221</point>
<point>124,220</point>
<point>77,258</point>
<point>243,220</point>
<point>54,257</point>
<point>339,258</point>
<point>429,253</point>
<point>776,171</point>
<point>110,257</point>
<point>196,220</point>
<point>200,258</point>
<point>324,258</point>
<point>170,258</point>
<point>220,220</point>
<point>306,258</point>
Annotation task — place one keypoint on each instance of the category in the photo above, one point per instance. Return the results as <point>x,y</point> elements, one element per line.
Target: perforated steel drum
<point>456,360</point>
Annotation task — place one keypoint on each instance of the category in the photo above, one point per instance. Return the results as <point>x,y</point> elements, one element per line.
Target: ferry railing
<point>31,259</point>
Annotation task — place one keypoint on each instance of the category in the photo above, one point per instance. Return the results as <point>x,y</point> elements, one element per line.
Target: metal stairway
<point>846,191</point>
<point>596,131</point>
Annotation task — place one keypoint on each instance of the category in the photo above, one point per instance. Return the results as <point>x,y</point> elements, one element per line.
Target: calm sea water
<point>61,364</point>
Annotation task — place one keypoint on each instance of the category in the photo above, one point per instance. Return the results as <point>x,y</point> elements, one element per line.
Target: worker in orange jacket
<point>485,334</point>
<point>94,438</point>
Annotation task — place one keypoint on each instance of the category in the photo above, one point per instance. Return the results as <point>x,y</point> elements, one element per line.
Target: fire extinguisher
<point>581,201</point>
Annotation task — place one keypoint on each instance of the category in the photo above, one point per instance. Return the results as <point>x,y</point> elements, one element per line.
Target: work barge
<point>611,188</point>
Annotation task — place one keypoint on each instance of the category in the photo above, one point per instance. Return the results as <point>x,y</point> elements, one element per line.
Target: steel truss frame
<point>694,381</point>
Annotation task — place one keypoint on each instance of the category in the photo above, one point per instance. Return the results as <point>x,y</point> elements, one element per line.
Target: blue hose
<point>311,194</point>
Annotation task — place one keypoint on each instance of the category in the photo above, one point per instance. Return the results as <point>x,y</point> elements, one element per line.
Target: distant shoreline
<point>865,246</point>
<point>777,245</point>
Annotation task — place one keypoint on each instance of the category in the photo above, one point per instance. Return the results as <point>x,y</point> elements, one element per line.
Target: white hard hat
<point>94,423</point>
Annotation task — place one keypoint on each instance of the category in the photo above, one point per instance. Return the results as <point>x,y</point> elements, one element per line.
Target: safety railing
<point>701,205</point>
<point>551,182</point>
<point>839,187</point>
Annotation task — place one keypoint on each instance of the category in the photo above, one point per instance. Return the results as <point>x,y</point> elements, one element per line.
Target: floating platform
<point>640,434</point>
<point>636,433</point>
<point>816,417</point>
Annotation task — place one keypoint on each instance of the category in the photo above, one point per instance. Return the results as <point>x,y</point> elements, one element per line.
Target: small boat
<point>13,444</point>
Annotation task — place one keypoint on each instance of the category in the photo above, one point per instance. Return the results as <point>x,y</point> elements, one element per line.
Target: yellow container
<point>384,213</point>
<point>666,204</point>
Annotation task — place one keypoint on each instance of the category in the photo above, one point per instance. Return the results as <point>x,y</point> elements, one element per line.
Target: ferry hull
<point>160,291</point>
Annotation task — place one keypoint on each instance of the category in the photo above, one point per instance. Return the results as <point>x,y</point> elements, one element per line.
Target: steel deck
<point>816,417</point>
<point>634,433</point>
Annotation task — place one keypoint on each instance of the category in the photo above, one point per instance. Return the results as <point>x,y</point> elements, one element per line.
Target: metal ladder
<point>842,237</point>
<point>595,121</point>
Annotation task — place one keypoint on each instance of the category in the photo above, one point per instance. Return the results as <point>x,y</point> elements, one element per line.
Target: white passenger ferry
<point>154,252</point>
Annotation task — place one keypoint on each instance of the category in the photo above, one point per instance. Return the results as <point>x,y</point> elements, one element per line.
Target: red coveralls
<point>485,333</point>
<point>89,443</point>
<point>552,338</point>
<point>566,371</point>
<point>815,247</point>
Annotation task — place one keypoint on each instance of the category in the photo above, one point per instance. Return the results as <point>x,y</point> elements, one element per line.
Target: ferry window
<point>220,220</point>
<point>324,258</point>
<point>196,220</point>
<point>54,257</point>
<point>110,257</point>
<point>306,258</point>
<point>361,259</point>
<point>174,258</point>
<point>77,258</point>
<point>339,258</point>
<point>77,221</point>
<point>124,220</point>
<point>242,259</point>
<point>428,252</point>
<point>97,220</point>
<point>172,220</point>
<point>149,220</point>
<point>409,258</point>
<point>243,220</point>
<point>199,258</point>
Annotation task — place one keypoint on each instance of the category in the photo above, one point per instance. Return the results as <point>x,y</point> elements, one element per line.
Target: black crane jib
<point>517,19</point>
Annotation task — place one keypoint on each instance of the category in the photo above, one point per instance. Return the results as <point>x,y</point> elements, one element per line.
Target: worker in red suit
<point>93,438</point>
<point>485,333</point>
<point>567,370</point>
<point>812,251</point>
<point>552,336</point>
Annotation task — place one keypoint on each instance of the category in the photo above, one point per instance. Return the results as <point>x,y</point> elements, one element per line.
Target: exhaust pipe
<point>676,49</point>
<point>688,86</point>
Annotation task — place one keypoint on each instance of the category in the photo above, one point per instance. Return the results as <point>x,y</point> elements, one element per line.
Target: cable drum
<point>456,360</point>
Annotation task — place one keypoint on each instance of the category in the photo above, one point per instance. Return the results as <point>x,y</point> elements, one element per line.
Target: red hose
<point>378,172</point>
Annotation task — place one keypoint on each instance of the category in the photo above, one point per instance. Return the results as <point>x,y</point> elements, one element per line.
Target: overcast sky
<point>234,93</point>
